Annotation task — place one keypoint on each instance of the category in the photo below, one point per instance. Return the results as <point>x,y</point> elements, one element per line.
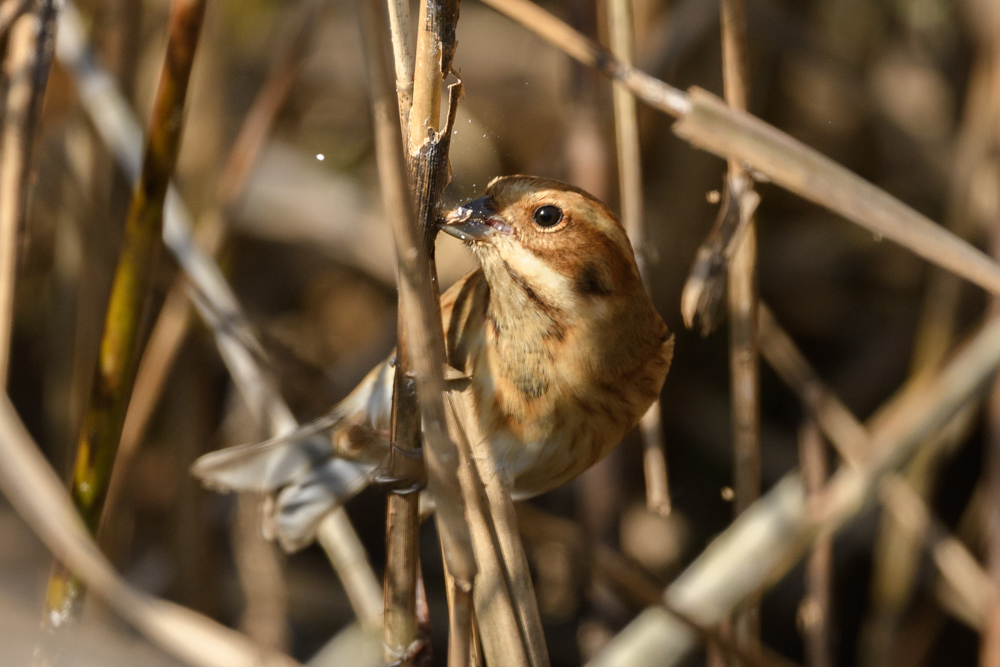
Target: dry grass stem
<point>37,493</point>
<point>26,68</point>
<point>421,322</point>
<point>770,537</point>
<point>213,297</point>
<point>121,342</point>
<point>620,29</point>
<point>709,124</point>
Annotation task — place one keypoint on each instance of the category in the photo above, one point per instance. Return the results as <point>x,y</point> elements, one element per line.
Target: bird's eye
<point>547,216</point>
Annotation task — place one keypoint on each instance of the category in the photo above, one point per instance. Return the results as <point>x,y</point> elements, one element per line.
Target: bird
<point>560,344</point>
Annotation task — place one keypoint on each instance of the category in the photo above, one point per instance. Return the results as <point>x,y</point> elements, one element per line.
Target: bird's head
<point>552,238</point>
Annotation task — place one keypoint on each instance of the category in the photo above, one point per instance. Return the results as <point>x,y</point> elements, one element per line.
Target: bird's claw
<point>405,475</point>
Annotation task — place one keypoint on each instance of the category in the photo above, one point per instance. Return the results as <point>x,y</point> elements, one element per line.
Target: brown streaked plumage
<point>563,347</point>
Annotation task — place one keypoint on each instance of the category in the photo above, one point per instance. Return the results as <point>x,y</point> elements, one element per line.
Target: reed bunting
<point>563,347</point>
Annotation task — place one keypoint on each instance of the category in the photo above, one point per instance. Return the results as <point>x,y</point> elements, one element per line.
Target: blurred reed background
<point>905,94</point>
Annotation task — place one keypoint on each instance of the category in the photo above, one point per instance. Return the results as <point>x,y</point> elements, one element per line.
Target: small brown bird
<point>564,349</point>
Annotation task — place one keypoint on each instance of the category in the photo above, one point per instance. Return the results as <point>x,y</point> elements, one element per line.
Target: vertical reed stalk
<point>421,335</point>
<point>121,341</point>
<point>744,360</point>
<point>29,57</point>
<point>621,29</point>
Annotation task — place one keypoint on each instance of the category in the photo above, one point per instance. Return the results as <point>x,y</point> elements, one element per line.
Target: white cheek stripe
<point>549,283</point>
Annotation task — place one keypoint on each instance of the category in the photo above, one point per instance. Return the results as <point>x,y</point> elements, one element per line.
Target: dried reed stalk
<point>26,68</point>
<point>214,300</point>
<point>38,495</point>
<point>122,339</point>
<point>620,29</point>
<point>402,576</point>
<point>768,539</point>
<point>709,124</point>
<point>421,322</point>
<point>506,607</point>
<point>744,364</point>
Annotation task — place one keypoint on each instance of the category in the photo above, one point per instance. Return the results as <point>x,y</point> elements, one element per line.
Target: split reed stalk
<point>122,339</point>
<point>26,68</point>
<point>621,31</point>
<point>420,320</point>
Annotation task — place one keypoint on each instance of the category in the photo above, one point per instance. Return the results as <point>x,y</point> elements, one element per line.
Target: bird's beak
<point>475,221</point>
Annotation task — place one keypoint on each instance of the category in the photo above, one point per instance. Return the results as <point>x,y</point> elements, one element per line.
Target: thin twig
<point>709,124</point>
<point>814,612</point>
<point>420,317</point>
<point>770,537</point>
<point>121,341</point>
<point>29,57</point>
<point>620,28</point>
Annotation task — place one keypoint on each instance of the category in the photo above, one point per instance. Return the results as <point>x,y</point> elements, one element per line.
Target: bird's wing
<point>324,463</point>
<point>268,466</point>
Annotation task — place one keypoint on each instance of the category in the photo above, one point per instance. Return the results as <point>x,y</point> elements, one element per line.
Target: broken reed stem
<point>709,124</point>
<point>26,68</point>
<point>744,362</point>
<point>174,320</point>
<point>814,611</point>
<point>768,539</point>
<point>121,341</point>
<point>621,32</point>
<point>421,324</point>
